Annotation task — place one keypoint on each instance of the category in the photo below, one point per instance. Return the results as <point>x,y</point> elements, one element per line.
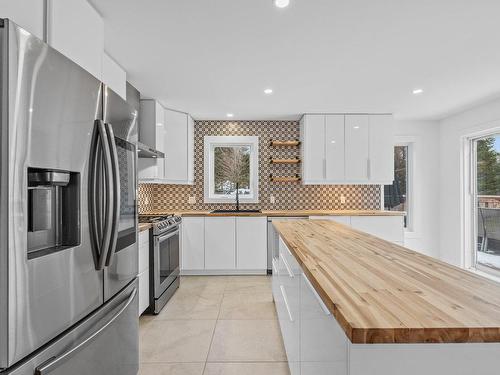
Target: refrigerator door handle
<point>115,176</point>
<point>94,209</point>
<point>51,364</point>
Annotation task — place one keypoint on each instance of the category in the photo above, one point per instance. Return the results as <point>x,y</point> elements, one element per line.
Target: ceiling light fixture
<point>281,3</point>
<point>268,91</point>
<point>417,91</point>
<point>229,115</point>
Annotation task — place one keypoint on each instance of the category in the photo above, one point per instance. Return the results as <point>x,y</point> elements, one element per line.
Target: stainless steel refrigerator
<point>68,220</point>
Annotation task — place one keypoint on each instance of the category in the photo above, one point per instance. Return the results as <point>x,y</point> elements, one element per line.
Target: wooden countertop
<point>289,213</point>
<point>380,292</point>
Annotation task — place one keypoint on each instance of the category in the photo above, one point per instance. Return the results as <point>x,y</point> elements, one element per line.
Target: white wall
<point>424,234</point>
<point>26,13</point>
<point>452,130</point>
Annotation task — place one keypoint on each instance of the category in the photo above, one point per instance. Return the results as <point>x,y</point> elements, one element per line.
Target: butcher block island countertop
<point>380,292</point>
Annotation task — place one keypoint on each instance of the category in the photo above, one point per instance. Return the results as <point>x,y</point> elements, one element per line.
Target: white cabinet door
<point>76,30</point>
<point>193,243</point>
<point>357,131</point>
<point>190,150</point>
<point>143,251</point>
<point>143,270</point>
<point>220,241</point>
<point>251,243</point>
<point>381,149</point>
<point>389,228</point>
<point>334,138</point>
<point>323,344</point>
<point>176,147</point>
<point>339,219</point>
<point>313,148</point>
<point>114,76</point>
<point>28,14</point>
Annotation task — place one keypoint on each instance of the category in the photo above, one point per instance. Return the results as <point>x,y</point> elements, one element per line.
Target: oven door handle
<point>162,238</point>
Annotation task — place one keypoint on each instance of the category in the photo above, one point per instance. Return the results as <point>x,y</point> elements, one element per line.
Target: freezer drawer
<point>105,343</point>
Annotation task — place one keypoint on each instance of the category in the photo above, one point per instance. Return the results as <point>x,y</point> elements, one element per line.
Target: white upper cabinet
<point>26,13</point>
<point>335,148</point>
<point>357,155</point>
<point>76,29</point>
<point>114,76</point>
<point>381,148</point>
<point>179,148</point>
<point>347,149</point>
<point>151,133</point>
<point>312,130</point>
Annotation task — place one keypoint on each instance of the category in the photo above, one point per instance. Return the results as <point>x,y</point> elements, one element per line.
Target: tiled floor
<point>215,325</point>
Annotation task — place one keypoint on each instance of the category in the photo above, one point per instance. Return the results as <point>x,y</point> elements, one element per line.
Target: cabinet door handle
<point>318,298</point>
<point>290,273</point>
<point>275,268</point>
<point>285,299</point>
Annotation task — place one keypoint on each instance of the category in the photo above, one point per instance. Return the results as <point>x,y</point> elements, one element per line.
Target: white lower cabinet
<point>389,228</point>
<point>193,244</point>
<point>251,243</point>
<point>220,239</point>
<point>143,271</point>
<point>224,245</point>
<point>314,342</point>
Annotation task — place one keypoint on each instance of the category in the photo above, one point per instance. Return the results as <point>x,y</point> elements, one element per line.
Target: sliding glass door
<point>486,202</point>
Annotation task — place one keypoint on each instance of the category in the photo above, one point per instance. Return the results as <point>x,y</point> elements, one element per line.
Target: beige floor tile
<point>271,368</point>
<point>249,284</point>
<point>247,306</point>
<point>191,306</point>
<point>175,340</point>
<point>171,368</point>
<point>202,284</point>
<point>247,340</point>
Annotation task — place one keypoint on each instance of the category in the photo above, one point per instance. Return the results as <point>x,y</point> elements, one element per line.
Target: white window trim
<point>210,142</point>
<point>467,192</point>
<point>412,142</point>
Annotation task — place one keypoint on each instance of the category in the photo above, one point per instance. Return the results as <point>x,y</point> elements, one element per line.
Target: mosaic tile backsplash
<point>288,196</point>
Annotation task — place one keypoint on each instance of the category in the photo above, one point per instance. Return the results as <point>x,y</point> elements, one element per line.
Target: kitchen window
<point>396,196</point>
<point>231,162</point>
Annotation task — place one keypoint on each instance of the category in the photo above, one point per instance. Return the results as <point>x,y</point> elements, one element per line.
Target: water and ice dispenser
<point>53,211</point>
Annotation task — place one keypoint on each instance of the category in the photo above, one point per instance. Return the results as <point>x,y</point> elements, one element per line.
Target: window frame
<point>210,143</point>
<point>408,142</point>
<point>470,195</point>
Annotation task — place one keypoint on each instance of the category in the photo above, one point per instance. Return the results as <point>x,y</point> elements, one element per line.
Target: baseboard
<point>222,272</point>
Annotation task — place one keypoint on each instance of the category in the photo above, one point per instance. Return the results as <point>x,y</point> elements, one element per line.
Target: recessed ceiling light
<point>356,127</point>
<point>229,115</point>
<point>281,3</point>
<point>268,91</point>
<point>417,91</point>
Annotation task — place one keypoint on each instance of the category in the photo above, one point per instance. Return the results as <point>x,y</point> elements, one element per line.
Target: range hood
<point>144,151</point>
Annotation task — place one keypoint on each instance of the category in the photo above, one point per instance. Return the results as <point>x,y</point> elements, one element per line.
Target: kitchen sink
<point>235,211</point>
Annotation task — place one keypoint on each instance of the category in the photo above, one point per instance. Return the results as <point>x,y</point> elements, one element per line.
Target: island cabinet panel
<point>323,344</point>
<point>289,313</point>
<point>193,244</point>
<point>251,243</point>
<point>220,238</point>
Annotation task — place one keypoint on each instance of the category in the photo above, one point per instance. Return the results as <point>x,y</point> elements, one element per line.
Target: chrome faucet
<point>237,196</point>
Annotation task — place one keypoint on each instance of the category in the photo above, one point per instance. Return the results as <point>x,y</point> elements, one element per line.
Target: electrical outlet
<point>272,199</point>
<point>342,199</point>
<point>192,200</point>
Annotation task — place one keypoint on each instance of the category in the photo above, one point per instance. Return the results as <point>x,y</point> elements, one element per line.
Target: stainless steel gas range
<point>164,259</point>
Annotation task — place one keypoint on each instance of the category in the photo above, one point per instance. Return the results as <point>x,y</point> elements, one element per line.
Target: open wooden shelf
<point>285,161</point>
<point>291,143</point>
<point>295,178</point>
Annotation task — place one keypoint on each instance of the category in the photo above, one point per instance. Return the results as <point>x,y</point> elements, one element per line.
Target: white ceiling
<point>211,57</point>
